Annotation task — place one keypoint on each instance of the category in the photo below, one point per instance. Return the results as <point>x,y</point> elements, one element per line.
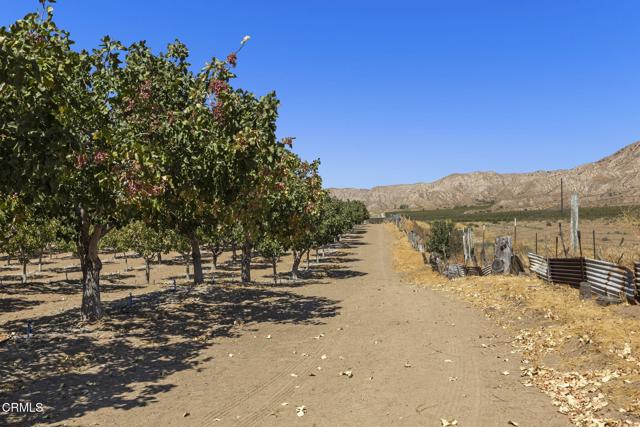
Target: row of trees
<point>124,138</point>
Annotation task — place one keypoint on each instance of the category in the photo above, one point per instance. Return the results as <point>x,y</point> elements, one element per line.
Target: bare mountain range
<point>614,180</point>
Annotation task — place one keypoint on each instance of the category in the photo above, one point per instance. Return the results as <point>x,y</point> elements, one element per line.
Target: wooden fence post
<point>483,254</point>
<point>574,222</point>
<point>564,247</point>
<point>580,242</point>
<point>595,256</point>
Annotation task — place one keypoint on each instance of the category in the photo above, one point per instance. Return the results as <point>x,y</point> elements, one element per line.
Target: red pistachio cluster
<point>232,59</point>
<point>145,90</point>
<point>217,86</point>
<point>100,157</point>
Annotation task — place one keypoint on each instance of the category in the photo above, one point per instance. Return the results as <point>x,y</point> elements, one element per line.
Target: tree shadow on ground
<point>116,277</point>
<point>338,260</point>
<point>229,266</point>
<point>351,243</point>
<point>69,269</point>
<point>217,274</point>
<point>344,274</point>
<point>330,271</point>
<point>8,305</point>
<point>357,232</point>
<point>58,287</point>
<point>123,361</point>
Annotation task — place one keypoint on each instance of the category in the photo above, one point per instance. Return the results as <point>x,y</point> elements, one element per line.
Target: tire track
<point>223,411</point>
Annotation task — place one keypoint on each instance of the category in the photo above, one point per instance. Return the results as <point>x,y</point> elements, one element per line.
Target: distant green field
<point>483,214</point>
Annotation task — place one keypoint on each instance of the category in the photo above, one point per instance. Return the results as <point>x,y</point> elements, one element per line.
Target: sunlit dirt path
<point>415,357</point>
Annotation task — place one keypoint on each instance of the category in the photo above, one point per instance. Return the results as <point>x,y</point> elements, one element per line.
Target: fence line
<point>603,278</point>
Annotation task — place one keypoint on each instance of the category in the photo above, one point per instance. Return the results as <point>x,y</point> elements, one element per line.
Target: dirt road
<point>415,356</point>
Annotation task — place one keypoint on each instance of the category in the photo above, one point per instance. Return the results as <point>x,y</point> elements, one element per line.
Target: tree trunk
<point>297,257</point>
<point>317,256</point>
<point>247,247</point>
<point>307,261</point>
<point>233,252</point>
<point>274,264</point>
<point>147,269</point>
<point>159,257</point>
<point>198,277</point>
<point>40,261</point>
<point>91,266</point>
<point>24,270</point>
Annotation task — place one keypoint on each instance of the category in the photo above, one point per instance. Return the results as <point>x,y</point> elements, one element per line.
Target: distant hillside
<point>614,180</point>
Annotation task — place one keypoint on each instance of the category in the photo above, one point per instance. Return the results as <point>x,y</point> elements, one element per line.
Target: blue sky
<point>403,92</point>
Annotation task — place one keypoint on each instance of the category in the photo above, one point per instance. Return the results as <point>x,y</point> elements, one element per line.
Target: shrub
<point>444,237</point>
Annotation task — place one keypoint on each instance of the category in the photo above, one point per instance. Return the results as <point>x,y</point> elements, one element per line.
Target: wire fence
<point>607,280</point>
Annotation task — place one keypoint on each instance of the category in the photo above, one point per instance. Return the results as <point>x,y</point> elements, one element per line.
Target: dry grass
<point>581,354</point>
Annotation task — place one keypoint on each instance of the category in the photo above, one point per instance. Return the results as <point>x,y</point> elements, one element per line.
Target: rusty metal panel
<point>609,279</point>
<point>538,265</point>
<point>567,270</point>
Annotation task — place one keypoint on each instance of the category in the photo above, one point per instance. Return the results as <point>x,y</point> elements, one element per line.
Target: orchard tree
<point>266,206</point>
<point>271,248</point>
<point>254,202</point>
<point>26,233</point>
<point>78,134</point>
<point>118,242</point>
<point>216,151</point>
<point>180,243</point>
<point>294,209</point>
<point>215,239</point>
<point>147,242</point>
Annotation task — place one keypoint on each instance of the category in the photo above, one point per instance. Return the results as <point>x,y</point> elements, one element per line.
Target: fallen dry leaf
<point>348,373</point>
<point>301,410</point>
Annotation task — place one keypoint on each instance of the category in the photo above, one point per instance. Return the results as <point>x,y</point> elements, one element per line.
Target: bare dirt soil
<point>349,345</point>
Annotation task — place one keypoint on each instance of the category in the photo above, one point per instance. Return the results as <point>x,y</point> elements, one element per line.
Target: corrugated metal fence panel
<point>637,271</point>
<point>538,265</point>
<point>473,271</point>
<point>567,270</point>
<point>609,279</point>
<point>461,270</point>
<point>486,270</point>
<point>453,271</point>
